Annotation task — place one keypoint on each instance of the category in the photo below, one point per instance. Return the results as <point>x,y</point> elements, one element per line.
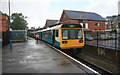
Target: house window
<point>86,25</point>
<point>106,23</point>
<point>109,26</point>
<point>97,24</point>
<point>83,25</point>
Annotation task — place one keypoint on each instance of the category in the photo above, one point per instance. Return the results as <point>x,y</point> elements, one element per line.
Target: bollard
<point>10,38</point>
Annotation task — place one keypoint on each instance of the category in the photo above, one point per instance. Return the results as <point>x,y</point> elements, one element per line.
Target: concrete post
<point>10,38</point>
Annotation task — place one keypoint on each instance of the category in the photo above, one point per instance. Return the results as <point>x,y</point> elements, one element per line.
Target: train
<point>69,37</point>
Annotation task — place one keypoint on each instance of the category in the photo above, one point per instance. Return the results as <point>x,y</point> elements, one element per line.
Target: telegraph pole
<point>9,26</point>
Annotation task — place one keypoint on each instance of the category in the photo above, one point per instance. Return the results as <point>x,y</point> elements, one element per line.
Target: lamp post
<point>25,32</point>
<point>9,26</point>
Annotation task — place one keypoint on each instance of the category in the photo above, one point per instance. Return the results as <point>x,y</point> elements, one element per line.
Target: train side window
<point>56,33</point>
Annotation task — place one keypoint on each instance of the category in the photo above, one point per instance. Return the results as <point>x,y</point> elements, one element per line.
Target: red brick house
<point>50,23</point>
<point>4,28</point>
<point>90,21</point>
<point>4,22</point>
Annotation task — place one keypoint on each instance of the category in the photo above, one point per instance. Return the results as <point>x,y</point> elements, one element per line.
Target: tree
<point>18,22</point>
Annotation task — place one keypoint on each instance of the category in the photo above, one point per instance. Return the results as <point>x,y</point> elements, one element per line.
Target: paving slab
<point>33,57</point>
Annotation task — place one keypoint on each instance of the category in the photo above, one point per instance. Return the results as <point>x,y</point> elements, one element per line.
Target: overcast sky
<point>38,11</point>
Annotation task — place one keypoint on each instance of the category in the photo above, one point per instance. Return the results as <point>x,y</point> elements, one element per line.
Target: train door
<point>53,37</point>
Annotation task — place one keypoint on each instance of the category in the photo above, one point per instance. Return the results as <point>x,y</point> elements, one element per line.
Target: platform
<point>33,57</point>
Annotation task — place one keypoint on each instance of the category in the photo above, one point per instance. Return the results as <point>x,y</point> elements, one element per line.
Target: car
<point>100,37</point>
<point>114,36</point>
<point>89,38</point>
<point>109,36</point>
<point>96,37</point>
<point>103,37</point>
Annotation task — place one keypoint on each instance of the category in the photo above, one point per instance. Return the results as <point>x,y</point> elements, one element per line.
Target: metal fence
<point>103,39</point>
<point>5,38</point>
<point>18,35</point>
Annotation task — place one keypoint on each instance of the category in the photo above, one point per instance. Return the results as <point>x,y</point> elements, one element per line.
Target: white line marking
<point>75,60</point>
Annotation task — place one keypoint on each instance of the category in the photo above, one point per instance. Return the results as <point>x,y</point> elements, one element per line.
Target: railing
<point>103,39</point>
<point>18,35</point>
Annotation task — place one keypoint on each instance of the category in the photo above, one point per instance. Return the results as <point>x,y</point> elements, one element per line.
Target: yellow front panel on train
<point>69,44</point>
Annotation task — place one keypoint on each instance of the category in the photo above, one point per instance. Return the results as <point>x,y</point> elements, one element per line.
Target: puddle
<point>29,57</point>
<point>63,63</point>
<point>59,59</point>
<point>11,60</point>
<point>55,59</point>
<point>26,62</point>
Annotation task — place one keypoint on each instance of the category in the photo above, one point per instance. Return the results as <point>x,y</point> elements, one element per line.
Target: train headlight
<point>64,42</point>
<point>81,41</point>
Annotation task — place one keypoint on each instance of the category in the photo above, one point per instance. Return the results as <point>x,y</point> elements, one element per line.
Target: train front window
<point>72,34</point>
<point>80,34</point>
<point>65,34</point>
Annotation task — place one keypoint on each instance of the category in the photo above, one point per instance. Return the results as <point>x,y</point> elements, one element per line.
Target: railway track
<point>89,68</point>
<point>99,70</point>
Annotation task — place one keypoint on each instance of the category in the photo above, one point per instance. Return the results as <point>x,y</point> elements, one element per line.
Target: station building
<point>4,28</point>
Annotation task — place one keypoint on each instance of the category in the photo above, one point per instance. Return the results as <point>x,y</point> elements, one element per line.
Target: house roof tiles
<point>83,15</point>
<point>51,22</point>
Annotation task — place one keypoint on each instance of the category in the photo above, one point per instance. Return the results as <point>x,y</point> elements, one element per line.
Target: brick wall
<point>64,18</point>
<point>91,25</point>
<point>106,58</point>
<point>4,22</point>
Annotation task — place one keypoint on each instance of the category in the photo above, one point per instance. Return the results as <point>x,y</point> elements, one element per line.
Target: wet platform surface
<point>32,57</point>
